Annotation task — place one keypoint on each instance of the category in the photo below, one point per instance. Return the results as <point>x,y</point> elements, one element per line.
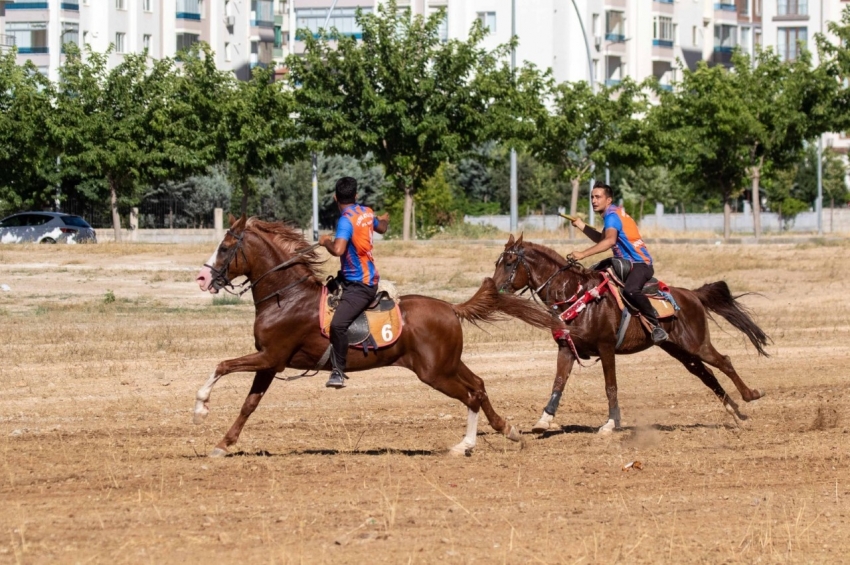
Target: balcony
<point>70,6</point>
<point>664,1</point>
<point>27,6</point>
<point>662,43</point>
<point>188,10</point>
<point>725,7</point>
<point>33,50</point>
<point>6,42</point>
<point>615,37</point>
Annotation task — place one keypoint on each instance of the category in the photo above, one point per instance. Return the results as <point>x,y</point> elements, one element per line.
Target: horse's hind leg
<point>262,381</point>
<point>562,373</point>
<point>696,367</point>
<point>714,358</point>
<point>496,422</point>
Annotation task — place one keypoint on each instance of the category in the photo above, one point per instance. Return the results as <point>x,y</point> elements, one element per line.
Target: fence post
<point>218,219</point>
<point>134,223</point>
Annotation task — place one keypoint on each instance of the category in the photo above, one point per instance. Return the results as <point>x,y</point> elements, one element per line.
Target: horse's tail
<point>716,298</point>
<point>489,305</point>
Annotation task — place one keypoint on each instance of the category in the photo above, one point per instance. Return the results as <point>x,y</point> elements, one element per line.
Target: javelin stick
<point>566,217</point>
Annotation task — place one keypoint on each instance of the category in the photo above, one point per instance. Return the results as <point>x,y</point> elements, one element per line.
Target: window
<point>595,29</point>
<point>185,40</point>
<point>695,36</point>
<point>262,11</point>
<point>792,7</point>
<point>146,43</point>
<point>85,38</point>
<point>119,42</point>
<point>227,52</point>
<point>662,31</point>
<point>615,70</point>
<point>746,40</point>
<point>30,37</point>
<point>146,6</point>
<point>70,34</point>
<point>488,20</point>
<point>615,26</point>
<point>790,41</point>
<point>757,9</point>
<point>443,30</point>
<point>725,38</point>
<point>121,4</point>
<point>342,19</point>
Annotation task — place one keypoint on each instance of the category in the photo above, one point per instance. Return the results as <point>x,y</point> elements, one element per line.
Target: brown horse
<point>553,280</point>
<point>286,286</point>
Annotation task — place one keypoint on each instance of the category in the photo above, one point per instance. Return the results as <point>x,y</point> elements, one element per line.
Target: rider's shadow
<point>577,429</point>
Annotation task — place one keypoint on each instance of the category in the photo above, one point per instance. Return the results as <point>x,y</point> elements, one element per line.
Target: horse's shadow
<point>577,429</point>
<point>298,452</point>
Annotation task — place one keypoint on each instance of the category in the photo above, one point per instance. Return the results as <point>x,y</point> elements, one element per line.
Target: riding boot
<point>658,334</point>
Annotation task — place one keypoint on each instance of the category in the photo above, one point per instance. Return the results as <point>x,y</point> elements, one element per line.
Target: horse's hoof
<point>756,395</point>
<point>201,411</point>
<point>460,450</point>
<point>544,424</point>
<point>608,428</point>
<point>218,452</point>
<point>514,434</point>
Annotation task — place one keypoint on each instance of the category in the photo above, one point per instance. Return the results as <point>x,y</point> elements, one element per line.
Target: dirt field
<point>104,347</point>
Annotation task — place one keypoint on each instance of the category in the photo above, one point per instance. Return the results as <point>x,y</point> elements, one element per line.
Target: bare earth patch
<point>100,462</point>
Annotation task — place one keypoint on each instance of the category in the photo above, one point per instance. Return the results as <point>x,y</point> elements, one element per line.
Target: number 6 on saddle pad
<point>377,327</point>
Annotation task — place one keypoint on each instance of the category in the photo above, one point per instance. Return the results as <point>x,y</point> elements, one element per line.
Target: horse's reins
<point>227,284</point>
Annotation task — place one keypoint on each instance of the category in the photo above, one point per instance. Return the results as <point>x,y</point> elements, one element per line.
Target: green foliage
<point>28,152</point>
<point>109,297</point>
<point>400,93</point>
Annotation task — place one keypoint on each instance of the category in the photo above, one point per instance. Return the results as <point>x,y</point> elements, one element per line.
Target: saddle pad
<point>384,326</point>
<point>663,307</point>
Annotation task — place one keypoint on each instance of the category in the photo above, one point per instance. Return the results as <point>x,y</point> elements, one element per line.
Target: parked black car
<point>45,227</point>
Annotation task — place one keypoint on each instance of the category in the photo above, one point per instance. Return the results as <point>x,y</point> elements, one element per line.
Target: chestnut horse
<point>286,286</point>
<point>553,280</point>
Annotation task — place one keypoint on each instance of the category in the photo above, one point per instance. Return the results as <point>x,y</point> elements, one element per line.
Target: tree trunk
<point>756,172</point>
<point>574,182</point>
<point>727,219</point>
<point>245,197</point>
<point>408,212</point>
<point>831,212</point>
<point>413,219</point>
<point>116,219</point>
<point>684,218</point>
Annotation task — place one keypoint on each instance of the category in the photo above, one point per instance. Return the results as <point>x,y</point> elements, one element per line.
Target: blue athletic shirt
<point>629,243</point>
<point>356,225</point>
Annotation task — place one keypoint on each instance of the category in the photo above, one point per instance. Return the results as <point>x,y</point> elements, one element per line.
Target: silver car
<point>45,227</point>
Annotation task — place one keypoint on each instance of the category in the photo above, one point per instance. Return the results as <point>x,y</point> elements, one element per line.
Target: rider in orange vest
<point>620,234</point>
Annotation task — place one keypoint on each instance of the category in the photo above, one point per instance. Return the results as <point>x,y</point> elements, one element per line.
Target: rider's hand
<point>576,255</point>
<point>325,239</point>
<point>384,217</point>
<point>579,224</point>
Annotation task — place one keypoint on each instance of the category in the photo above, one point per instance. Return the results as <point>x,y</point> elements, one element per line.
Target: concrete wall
<point>834,221</point>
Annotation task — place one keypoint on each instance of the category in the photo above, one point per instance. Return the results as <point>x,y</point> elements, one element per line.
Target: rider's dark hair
<point>346,190</point>
<point>609,192</point>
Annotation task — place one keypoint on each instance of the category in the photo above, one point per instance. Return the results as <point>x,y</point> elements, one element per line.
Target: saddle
<point>379,326</point>
<point>618,271</point>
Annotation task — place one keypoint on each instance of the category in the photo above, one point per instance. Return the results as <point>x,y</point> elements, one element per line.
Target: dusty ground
<point>101,464</point>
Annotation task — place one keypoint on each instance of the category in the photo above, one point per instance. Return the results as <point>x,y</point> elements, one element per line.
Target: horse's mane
<point>556,258</point>
<point>290,240</point>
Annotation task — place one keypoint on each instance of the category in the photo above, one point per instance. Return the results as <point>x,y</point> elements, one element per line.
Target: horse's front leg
<point>262,381</point>
<point>607,355</point>
<point>562,373</point>
<point>252,363</point>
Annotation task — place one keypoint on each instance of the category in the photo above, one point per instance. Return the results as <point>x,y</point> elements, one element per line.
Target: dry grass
<point>99,461</point>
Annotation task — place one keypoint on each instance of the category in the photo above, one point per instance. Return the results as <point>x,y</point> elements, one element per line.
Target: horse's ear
<point>510,242</point>
<point>519,239</point>
<point>232,219</point>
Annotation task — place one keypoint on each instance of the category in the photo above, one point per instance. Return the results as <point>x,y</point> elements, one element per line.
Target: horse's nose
<point>204,279</point>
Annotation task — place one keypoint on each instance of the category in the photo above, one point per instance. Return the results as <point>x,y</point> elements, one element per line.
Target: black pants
<point>639,275</point>
<point>356,297</point>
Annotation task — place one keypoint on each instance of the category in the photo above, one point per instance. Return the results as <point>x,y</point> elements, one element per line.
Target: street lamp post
<point>592,80</point>
<point>514,190</point>
<point>315,158</point>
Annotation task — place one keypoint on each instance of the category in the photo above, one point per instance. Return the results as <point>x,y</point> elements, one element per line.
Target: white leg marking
<point>471,435</point>
<point>202,399</point>
<point>543,424</point>
<point>608,428</point>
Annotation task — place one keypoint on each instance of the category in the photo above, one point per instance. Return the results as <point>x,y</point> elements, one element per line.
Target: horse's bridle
<point>535,292</point>
<point>220,280</point>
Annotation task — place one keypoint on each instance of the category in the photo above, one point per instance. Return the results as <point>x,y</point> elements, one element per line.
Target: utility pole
<point>514,190</point>
<point>315,158</point>
<point>819,200</point>
<point>592,80</point>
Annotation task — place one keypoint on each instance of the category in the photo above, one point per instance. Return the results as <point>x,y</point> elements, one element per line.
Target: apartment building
<point>241,32</point>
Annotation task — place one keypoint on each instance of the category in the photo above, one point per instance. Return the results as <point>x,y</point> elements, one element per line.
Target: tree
<point>697,131</point>
<point>400,93</point>
<point>257,131</point>
<point>28,149</point>
<point>100,119</point>
<point>786,103</point>
<point>585,128</point>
